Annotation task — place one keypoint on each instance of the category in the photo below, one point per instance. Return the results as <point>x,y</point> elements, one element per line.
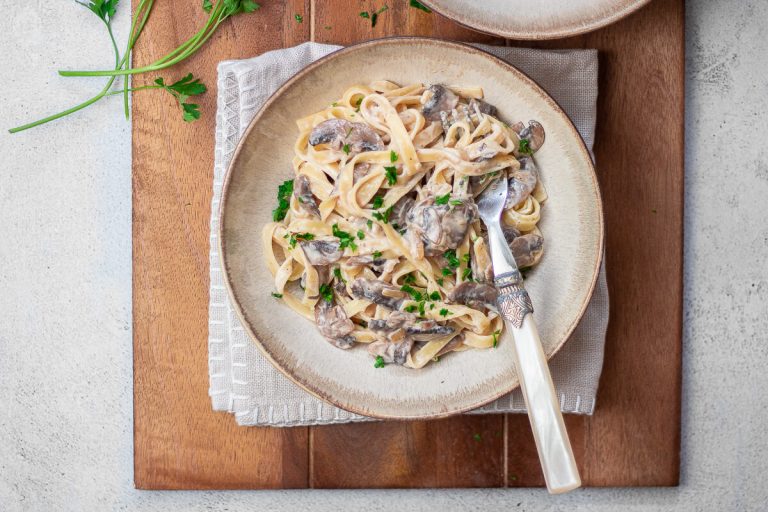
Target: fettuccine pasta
<point>377,239</point>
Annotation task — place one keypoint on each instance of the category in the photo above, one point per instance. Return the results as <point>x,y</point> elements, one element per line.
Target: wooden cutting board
<point>634,437</point>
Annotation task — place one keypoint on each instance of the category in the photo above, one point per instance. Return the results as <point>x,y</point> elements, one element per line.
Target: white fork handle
<point>555,453</point>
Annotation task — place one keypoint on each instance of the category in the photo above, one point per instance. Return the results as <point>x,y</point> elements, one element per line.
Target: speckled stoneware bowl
<point>560,287</point>
<point>523,19</point>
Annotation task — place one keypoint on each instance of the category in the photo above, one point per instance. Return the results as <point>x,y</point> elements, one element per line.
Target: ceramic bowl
<point>560,286</point>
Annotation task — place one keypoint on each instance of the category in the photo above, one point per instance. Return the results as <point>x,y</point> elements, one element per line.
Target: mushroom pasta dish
<point>377,240</point>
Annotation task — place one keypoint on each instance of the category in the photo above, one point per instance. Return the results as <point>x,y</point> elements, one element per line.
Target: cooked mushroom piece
<point>392,352</point>
<point>340,132</point>
<point>522,182</point>
<point>479,106</point>
<point>419,330</point>
<point>333,324</point>
<point>475,295</point>
<point>442,99</point>
<point>322,251</point>
<point>378,292</point>
<point>360,171</point>
<point>441,227</point>
<point>534,133</point>
<point>400,211</point>
<point>527,249</point>
<point>303,193</point>
<point>455,342</point>
<point>377,264</point>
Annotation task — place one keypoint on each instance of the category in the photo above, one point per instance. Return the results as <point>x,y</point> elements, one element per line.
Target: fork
<point>555,453</point>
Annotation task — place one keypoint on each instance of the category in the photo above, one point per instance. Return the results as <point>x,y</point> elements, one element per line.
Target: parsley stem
<point>133,89</point>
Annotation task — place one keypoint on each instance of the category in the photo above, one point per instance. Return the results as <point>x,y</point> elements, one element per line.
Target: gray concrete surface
<point>65,274</point>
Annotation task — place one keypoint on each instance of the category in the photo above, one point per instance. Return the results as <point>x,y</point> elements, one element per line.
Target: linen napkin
<point>242,381</point>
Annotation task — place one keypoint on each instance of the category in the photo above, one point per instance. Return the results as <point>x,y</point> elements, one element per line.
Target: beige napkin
<point>242,381</point>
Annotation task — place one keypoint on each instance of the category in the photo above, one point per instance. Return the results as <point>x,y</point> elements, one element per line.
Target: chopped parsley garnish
<point>345,239</point>
<point>420,6</point>
<point>357,104</point>
<point>477,437</point>
<point>465,258</point>
<point>334,104</point>
<point>409,279</point>
<point>383,216</point>
<point>467,274</point>
<point>360,234</point>
<point>376,255</point>
<point>524,147</point>
<point>393,156</point>
<point>345,149</point>
<point>431,305</point>
<point>337,273</point>
<point>327,27</point>
<point>277,295</point>
<point>411,291</point>
<point>284,192</point>
<point>299,18</point>
<point>445,312</point>
<point>442,199</point>
<point>446,272</point>
<point>326,292</point>
<point>379,362</point>
<point>496,338</point>
<point>378,202</point>
<point>434,296</point>
<point>453,261</point>
<point>439,281</point>
<point>421,308</point>
<point>456,202</point>
<point>299,236</point>
<point>373,15</point>
<point>369,223</point>
<point>410,308</point>
<point>391,174</point>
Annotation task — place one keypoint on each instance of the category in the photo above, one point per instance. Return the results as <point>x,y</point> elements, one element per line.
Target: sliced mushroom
<point>322,251</point>
<point>482,268</point>
<point>333,324</point>
<point>441,227</point>
<point>378,292</point>
<point>442,99</point>
<point>376,264</point>
<point>484,150</point>
<point>481,107</point>
<point>400,211</point>
<point>392,352</point>
<point>527,249</point>
<point>522,182</point>
<point>475,295</point>
<point>339,132</point>
<point>303,193</point>
<point>419,330</point>
<point>534,133</point>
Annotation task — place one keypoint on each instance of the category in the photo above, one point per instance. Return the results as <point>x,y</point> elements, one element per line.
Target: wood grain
<point>634,437</point>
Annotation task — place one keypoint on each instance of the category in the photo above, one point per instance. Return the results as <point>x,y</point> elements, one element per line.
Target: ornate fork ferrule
<point>513,300</point>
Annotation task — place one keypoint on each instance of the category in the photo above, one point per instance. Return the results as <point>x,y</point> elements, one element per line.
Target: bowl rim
<point>403,40</point>
<point>630,7</point>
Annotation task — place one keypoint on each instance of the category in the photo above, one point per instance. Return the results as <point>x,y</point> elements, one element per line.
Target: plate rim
<point>309,387</point>
<point>539,35</point>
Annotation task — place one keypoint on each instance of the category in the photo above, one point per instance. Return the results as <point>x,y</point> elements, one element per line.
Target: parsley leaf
<point>299,236</point>
<point>391,174</point>
<point>345,149</point>
<point>419,5</point>
<point>393,156</point>
<point>207,5</point>
<point>378,202</point>
<point>467,273</point>
<point>439,281</point>
<point>360,234</point>
<point>442,199</point>
<point>357,104</point>
<point>337,273</point>
<point>369,223</point>
<point>456,202</point>
<point>182,90</point>
<point>326,292</point>
<point>379,362</point>
<point>373,15</point>
<point>524,147</point>
<point>446,272</point>
<point>284,192</point>
<point>445,312</point>
<point>434,296</point>
<point>345,239</point>
<point>411,291</point>
<point>383,216</point>
<point>409,279</point>
<point>104,9</point>
<point>410,308</point>
<point>496,339</point>
<point>277,295</point>
<point>453,261</point>
<point>376,255</point>
<point>299,18</point>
